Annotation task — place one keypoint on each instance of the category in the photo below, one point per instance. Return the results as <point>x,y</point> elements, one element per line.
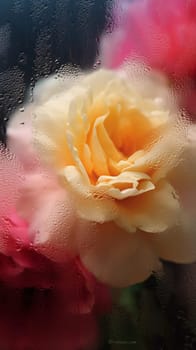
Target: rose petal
<point>178,244</point>
<point>153,211</point>
<point>90,205</point>
<point>115,256</point>
<point>51,214</point>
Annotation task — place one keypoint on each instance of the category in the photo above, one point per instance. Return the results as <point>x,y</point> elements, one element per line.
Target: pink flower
<point>64,299</point>
<point>57,307</point>
<point>37,319</point>
<point>38,196</point>
<point>160,33</point>
<point>48,299</point>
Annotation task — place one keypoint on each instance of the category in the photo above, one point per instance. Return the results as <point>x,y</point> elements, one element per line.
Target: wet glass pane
<point>97,174</point>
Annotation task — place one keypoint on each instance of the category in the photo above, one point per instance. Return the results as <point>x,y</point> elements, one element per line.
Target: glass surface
<point>47,304</point>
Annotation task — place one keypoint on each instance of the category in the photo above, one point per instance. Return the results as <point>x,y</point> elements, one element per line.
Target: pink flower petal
<point>162,34</point>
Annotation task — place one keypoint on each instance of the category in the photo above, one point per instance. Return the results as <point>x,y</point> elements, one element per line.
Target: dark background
<point>38,36</point>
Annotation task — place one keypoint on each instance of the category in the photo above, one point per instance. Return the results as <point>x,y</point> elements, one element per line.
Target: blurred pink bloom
<point>39,198</point>
<point>160,33</point>
<point>57,308</point>
<point>64,299</point>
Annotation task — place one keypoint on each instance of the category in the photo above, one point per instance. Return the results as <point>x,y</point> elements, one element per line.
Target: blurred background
<point>38,37</point>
